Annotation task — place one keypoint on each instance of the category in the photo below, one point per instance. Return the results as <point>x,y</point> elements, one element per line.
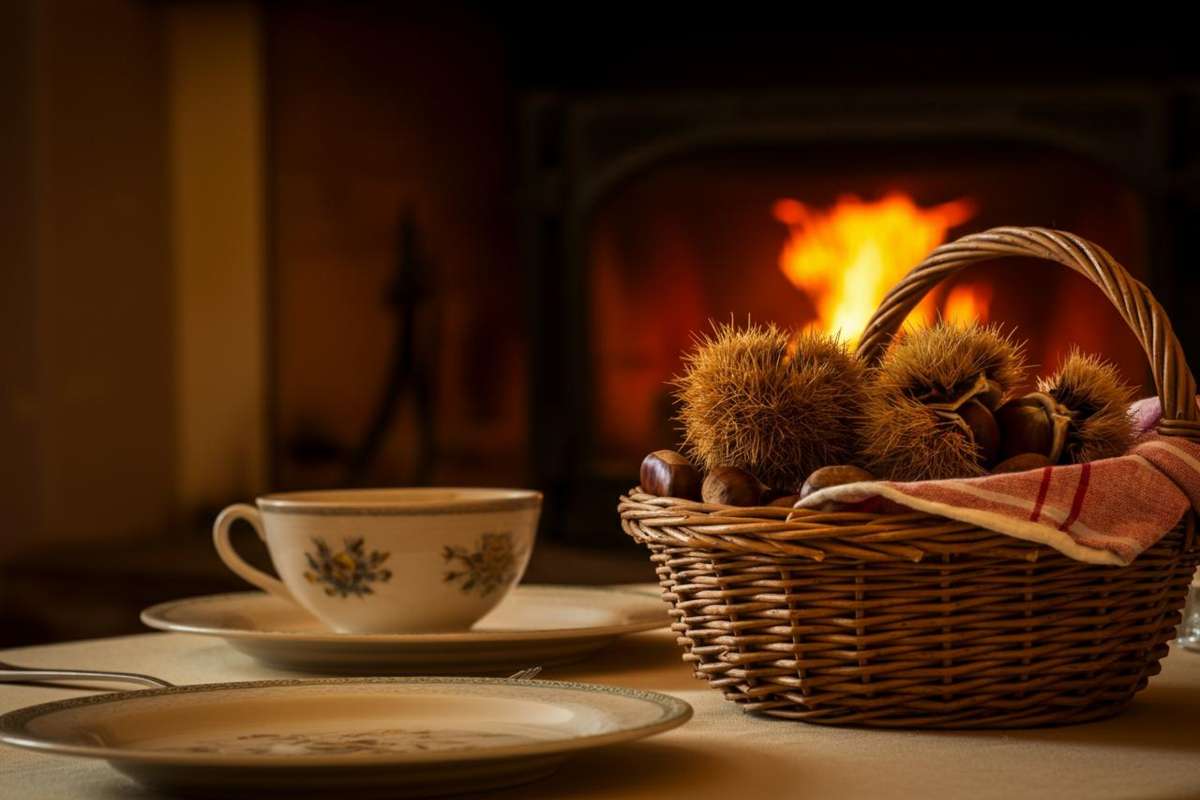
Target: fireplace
<point>650,217</point>
<point>551,239</point>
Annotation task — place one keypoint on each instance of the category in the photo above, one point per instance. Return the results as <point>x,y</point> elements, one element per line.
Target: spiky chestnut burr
<point>1078,414</point>
<point>774,404</point>
<point>929,405</point>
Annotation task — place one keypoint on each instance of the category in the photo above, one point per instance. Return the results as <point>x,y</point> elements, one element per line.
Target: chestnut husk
<point>981,425</point>
<point>971,413</point>
<point>929,404</point>
<point>771,402</point>
<point>1092,392</point>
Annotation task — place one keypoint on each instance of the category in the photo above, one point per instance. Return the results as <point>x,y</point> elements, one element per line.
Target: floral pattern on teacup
<point>348,572</point>
<point>490,566</point>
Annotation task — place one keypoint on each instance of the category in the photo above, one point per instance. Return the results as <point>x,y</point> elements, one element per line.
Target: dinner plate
<point>350,737</point>
<point>533,626</point>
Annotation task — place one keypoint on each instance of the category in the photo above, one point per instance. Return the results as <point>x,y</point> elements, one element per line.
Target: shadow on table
<point>640,769</point>
<point>106,784</point>
<point>1162,719</point>
<point>646,661</point>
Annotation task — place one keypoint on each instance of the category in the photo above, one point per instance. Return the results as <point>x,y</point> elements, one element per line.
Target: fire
<point>967,303</point>
<point>847,257</point>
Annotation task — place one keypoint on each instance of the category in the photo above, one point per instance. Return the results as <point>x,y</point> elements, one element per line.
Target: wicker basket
<point>917,621</point>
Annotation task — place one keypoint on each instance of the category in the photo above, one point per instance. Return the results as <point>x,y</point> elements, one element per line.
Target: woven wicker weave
<point>911,620</point>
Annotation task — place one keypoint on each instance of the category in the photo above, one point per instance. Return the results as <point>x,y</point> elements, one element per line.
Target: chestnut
<point>786,501</point>
<point>1021,463</point>
<point>730,486</point>
<point>991,395</point>
<point>668,474</point>
<point>1035,423</point>
<point>983,428</point>
<point>836,475</point>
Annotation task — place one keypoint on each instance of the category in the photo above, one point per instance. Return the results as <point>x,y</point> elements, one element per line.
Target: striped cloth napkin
<point>1103,512</point>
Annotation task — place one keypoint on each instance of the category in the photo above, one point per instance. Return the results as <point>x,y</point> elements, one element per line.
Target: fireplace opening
<point>814,239</point>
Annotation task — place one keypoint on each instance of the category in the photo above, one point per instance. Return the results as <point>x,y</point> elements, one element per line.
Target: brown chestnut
<point>786,501</point>
<point>1034,423</point>
<point>1021,462</point>
<point>668,474</point>
<point>991,395</point>
<point>730,486</point>
<point>983,429</point>
<point>836,475</point>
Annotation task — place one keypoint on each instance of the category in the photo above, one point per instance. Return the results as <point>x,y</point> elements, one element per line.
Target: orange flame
<point>846,258</point>
<point>967,303</point>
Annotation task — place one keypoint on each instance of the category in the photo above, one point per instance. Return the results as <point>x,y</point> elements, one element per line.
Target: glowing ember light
<point>967,303</point>
<point>847,257</point>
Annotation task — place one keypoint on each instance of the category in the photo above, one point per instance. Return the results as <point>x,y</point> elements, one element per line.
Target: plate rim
<point>152,617</point>
<point>676,712</point>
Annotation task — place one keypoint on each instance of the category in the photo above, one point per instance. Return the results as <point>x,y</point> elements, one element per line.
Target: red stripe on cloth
<point>1080,491</point>
<point>1041,498</point>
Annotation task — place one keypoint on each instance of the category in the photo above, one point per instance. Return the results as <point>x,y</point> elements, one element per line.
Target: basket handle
<point>1137,306</point>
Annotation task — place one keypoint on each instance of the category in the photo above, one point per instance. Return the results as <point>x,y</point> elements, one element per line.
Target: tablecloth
<point>1151,751</point>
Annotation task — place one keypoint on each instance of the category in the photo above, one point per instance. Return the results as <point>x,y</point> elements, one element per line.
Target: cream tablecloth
<point>1151,751</point>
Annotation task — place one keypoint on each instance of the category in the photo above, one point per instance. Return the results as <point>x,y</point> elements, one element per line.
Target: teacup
<point>389,560</point>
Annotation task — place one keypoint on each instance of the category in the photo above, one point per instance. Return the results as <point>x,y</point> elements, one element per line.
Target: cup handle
<point>235,562</point>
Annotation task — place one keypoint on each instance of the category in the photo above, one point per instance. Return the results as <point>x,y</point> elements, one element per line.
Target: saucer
<point>532,626</point>
<point>350,737</point>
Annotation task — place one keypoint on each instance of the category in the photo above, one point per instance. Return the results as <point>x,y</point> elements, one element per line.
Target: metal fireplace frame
<point>578,148</point>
